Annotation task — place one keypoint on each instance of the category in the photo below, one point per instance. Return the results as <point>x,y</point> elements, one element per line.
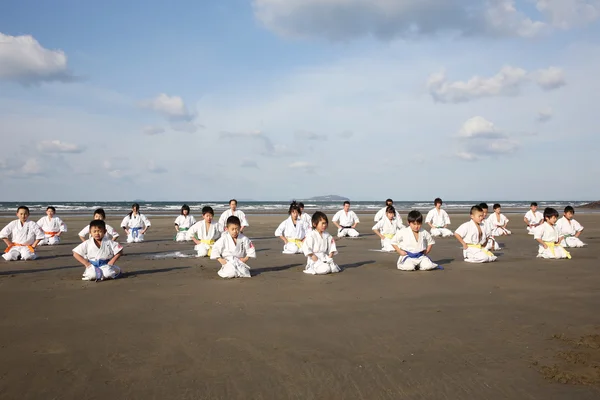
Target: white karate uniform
<point>206,236</point>
<point>496,225</point>
<point>382,213</point>
<point>136,224</point>
<point>549,235</point>
<point>536,218</point>
<point>307,221</point>
<point>492,243</point>
<point>232,252</point>
<point>439,220</point>
<point>110,232</point>
<point>228,213</point>
<point>21,236</point>
<point>184,223</point>
<point>388,229</point>
<point>100,256</point>
<point>294,233</point>
<point>405,240</point>
<point>51,227</point>
<point>321,247</point>
<point>346,220</point>
<point>567,230</point>
<point>475,253</point>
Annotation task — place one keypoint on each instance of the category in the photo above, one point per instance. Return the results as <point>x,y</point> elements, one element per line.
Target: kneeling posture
<point>135,225</point>
<point>183,223</point>
<point>387,227</point>
<point>292,231</point>
<point>473,237</point>
<point>98,254</point>
<point>413,244</point>
<point>205,232</point>
<point>569,229</point>
<point>498,222</point>
<point>346,221</point>
<point>233,250</point>
<point>52,226</point>
<point>438,220</point>
<point>319,248</point>
<point>21,237</point>
<point>548,238</point>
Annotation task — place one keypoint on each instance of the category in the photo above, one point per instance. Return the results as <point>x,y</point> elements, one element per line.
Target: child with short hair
<point>413,244</point>
<point>99,214</point>
<point>473,237</point>
<point>533,218</point>
<point>52,226</point>
<point>233,211</point>
<point>438,220</point>
<point>387,227</point>
<point>305,218</point>
<point>492,244</point>
<point>233,250</point>
<point>21,237</point>
<point>98,254</point>
<point>319,248</point>
<point>346,221</point>
<point>548,237</point>
<point>204,233</point>
<point>183,223</point>
<point>135,225</point>
<point>569,229</point>
<point>498,222</point>
<point>291,231</point>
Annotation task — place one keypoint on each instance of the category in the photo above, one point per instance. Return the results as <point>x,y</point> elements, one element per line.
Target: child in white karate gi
<point>548,237</point>
<point>381,213</point>
<point>233,250</point>
<point>498,222</point>
<point>233,211</point>
<point>292,231</point>
<point>533,218</point>
<point>305,218</point>
<point>569,229</point>
<point>21,237</point>
<point>492,244</point>
<point>387,227</point>
<point>183,223</point>
<point>438,220</point>
<point>346,222</point>
<point>413,244</point>
<point>98,254</point>
<point>135,225</point>
<point>99,214</point>
<point>473,237</point>
<point>204,233</point>
<point>52,226</point>
<point>319,248</point>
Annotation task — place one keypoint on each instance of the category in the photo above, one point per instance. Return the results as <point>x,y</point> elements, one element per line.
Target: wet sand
<point>172,329</point>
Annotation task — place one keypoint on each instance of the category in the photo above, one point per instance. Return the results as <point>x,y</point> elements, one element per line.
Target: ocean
<point>172,208</point>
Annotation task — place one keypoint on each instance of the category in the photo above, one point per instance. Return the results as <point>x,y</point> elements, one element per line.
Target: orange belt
<point>51,234</point>
<point>19,245</point>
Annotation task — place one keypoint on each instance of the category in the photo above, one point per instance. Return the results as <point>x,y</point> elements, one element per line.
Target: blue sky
<point>273,99</point>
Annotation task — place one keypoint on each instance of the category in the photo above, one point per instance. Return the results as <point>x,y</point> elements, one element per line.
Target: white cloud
<point>155,169</point>
<point>56,146</point>
<point>545,114</point>
<point>153,130</point>
<point>31,167</point>
<point>507,82</point>
<point>306,135</point>
<point>20,168</point>
<point>550,78</point>
<point>479,138</point>
<point>479,127</point>
<point>565,14</point>
<point>303,165</point>
<point>24,60</point>
<point>466,156</point>
<point>172,107</point>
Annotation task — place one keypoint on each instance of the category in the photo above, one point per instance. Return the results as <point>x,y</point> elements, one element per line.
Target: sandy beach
<point>519,328</point>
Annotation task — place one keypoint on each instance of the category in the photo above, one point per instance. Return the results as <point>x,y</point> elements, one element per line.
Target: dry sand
<point>172,329</point>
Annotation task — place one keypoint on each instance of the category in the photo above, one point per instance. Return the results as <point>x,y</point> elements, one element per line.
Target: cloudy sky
<point>274,99</point>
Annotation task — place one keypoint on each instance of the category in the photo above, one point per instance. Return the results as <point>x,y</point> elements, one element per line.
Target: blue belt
<point>135,232</point>
<point>97,264</point>
<point>418,255</point>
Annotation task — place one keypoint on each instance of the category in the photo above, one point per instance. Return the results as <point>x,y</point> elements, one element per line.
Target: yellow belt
<point>209,243</point>
<point>297,242</point>
<point>478,246</point>
<point>552,245</point>
<point>388,235</point>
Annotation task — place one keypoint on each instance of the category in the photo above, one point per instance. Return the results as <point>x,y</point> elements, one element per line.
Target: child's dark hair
<point>185,207</point>
<point>475,208</point>
<point>389,202</point>
<point>23,208</point>
<point>484,206</point>
<point>98,223</point>
<point>294,206</point>
<point>318,217</point>
<point>233,220</point>
<point>550,212</point>
<point>497,205</point>
<point>415,216</point>
<point>234,200</point>
<point>301,205</point>
<point>390,209</point>
<point>100,211</point>
<point>437,201</point>
<point>569,209</point>
<point>346,202</point>
<point>51,208</point>
<point>137,208</point>
<point>208,210</point>
<point>533,204</point>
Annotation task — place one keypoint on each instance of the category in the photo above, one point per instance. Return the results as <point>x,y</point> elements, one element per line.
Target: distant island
<point>329,197</point>
<point>594,204</point>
